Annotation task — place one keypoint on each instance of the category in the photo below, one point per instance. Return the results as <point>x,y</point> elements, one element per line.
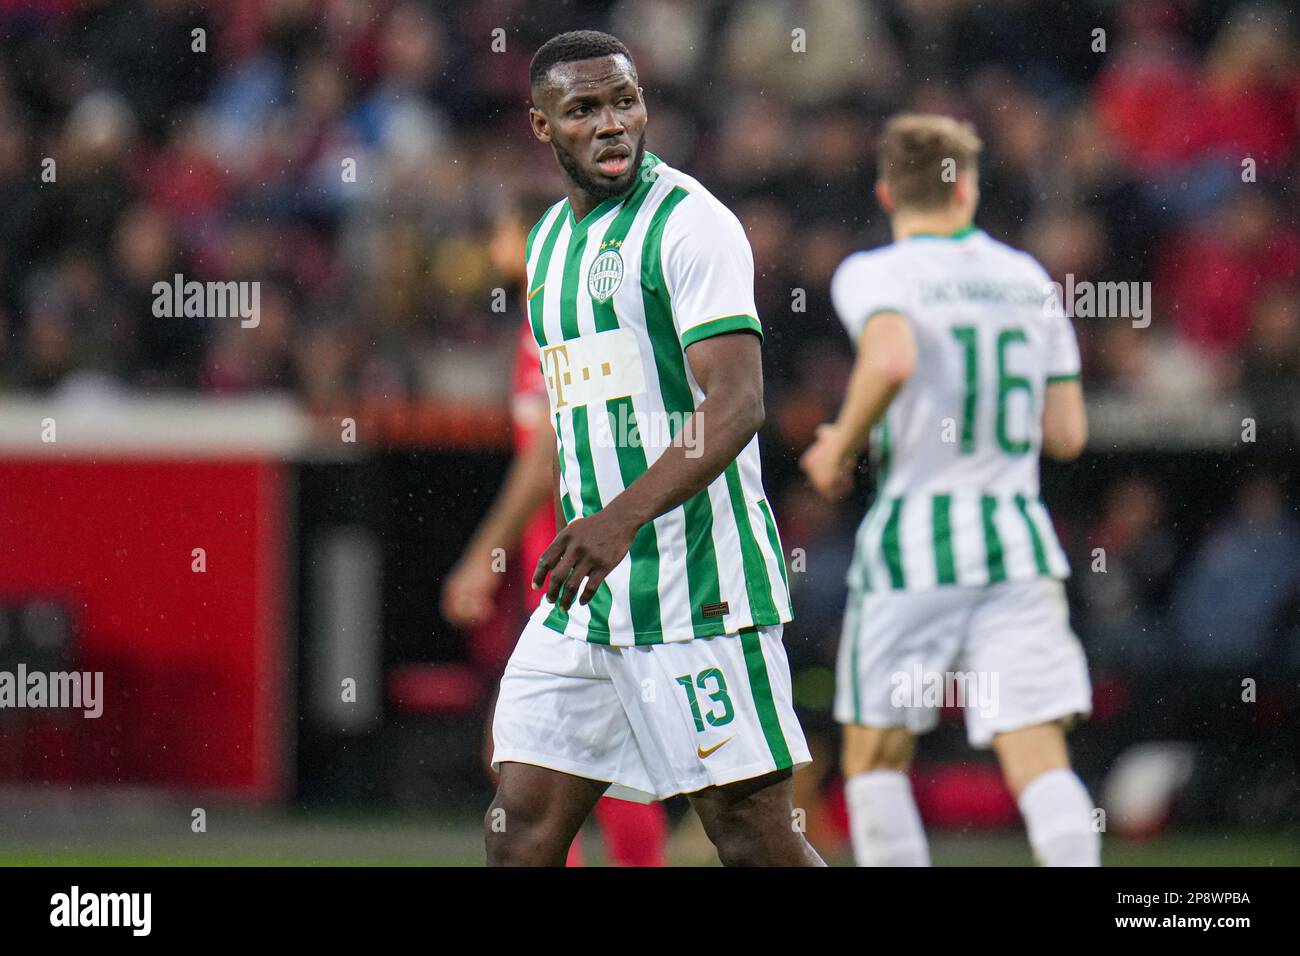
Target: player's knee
<point>524,847</point>
<point>534,844</point>
<point>515,835</point>
<point>869,749</point>
<point>758,835</point>
<point>1027,754</point>
<point>739,844</point>
<point>773,845</point>
<point>871,761</point>
<point>1019,774</point>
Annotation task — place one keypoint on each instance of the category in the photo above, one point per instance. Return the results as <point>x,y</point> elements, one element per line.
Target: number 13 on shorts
<point>711,682</point>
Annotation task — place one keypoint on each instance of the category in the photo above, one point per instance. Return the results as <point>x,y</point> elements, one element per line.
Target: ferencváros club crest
<point>606,275</point>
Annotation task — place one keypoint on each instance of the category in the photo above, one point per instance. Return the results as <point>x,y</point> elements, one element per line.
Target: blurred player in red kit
<point>523,516</point>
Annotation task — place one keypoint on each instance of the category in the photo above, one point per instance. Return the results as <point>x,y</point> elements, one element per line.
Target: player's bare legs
<point>883,819</point>
<point>876,748</point>
<point>1029,752</point>
<point>1056,806</point>
<point>536,814</point>
<point>751,822</point>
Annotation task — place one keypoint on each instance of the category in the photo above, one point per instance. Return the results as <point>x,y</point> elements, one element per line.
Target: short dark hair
<point>574,45</point>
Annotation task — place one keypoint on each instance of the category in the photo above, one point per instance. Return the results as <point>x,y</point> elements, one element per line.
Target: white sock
<point>884,822</point>
<point>1058,816</point>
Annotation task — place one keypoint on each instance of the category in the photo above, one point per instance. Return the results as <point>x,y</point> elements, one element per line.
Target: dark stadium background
<point>379,307</point>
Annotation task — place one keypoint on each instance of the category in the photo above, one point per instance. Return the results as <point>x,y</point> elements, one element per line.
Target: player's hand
<point>829,469</point>
<point>468,591</point>
<point>585,548</point>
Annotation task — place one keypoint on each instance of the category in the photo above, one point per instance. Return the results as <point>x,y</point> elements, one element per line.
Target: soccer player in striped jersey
<point>654,664</point>
<point>967,369</point>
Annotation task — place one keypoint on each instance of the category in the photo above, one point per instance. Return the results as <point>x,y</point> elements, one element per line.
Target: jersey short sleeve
<point>1062,351</point>
<point>1062,346</point>
<point>709,270</point>
<point>862,286</point>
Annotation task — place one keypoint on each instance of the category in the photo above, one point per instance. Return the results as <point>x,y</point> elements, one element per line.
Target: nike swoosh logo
<point>535,291</point>
<point>702,753</point>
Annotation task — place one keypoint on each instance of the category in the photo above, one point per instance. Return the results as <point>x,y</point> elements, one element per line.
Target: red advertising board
<point>193,653</point>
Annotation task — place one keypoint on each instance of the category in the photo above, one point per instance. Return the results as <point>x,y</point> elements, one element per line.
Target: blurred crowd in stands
<point>1126,142</point>
<point>1116,155</point>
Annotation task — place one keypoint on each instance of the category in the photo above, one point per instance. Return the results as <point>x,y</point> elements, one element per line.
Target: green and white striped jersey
<point>614,301</point>
<point>957,451</point>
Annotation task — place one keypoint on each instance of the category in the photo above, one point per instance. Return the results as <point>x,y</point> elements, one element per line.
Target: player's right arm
<point>708,272</point>
<point>729,370</point>
<point>886,359</point>
<point>869,296</point>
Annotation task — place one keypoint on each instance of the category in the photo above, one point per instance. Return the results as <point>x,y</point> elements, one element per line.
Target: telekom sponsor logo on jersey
<point>920,688</point>
<point>593,369</point>
<point>597,368</point>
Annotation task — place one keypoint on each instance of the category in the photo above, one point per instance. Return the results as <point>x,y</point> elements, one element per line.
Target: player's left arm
<point>886,359</point>
<point>1065,417</point>
<point>1065,420</point>
<point>729,369</point>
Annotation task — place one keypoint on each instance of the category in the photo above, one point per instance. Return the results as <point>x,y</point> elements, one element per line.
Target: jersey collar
<point>961,233</point>
<point>648,161</point>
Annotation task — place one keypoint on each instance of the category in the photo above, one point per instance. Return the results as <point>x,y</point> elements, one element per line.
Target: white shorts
<point>1004,653</point>
<point>653,721</point>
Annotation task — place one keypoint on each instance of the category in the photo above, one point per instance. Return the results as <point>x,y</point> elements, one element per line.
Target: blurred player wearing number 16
<point>966,370</point>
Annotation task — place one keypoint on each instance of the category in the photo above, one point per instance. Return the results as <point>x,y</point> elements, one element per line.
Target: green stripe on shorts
<point>761,690</point>
<point>854,611</point>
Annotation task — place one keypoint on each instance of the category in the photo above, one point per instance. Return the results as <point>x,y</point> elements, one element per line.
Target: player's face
<point>594,117</point>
